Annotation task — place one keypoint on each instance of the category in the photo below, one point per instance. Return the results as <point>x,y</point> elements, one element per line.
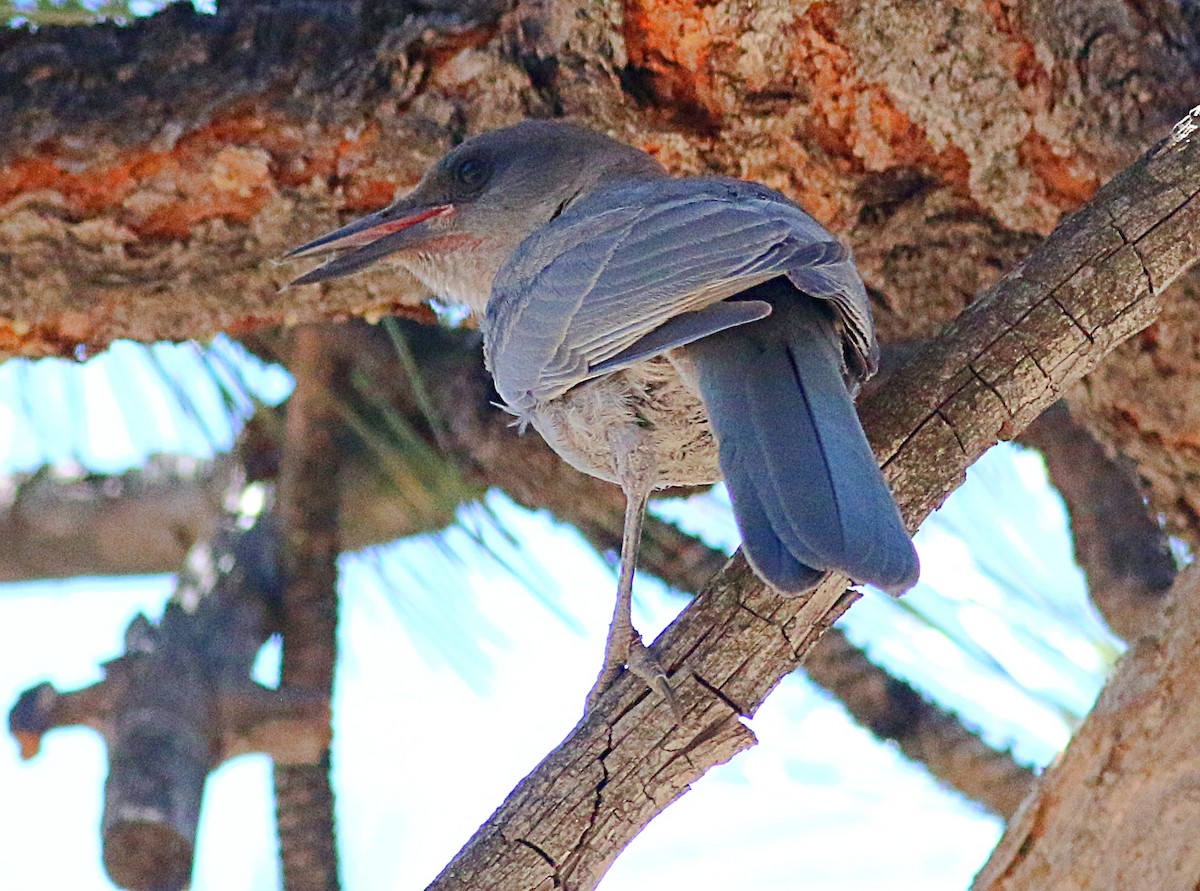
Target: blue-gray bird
<point>659,331</point>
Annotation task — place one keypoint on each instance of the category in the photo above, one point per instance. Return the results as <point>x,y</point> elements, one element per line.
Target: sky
<point>462,665</point>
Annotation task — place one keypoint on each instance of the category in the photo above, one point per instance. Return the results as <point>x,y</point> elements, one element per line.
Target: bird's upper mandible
<point>632,270</point>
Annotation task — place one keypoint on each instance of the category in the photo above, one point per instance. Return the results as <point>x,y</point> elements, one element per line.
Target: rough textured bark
<point>1119,809</point>
<point>309,508</point>
<point>180,155</point>
<point>1096,281</point>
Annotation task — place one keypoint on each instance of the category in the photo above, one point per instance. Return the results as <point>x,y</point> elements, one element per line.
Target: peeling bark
<point>150,175</point>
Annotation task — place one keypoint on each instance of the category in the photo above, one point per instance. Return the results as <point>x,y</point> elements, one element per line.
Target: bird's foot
<point>638,659</point>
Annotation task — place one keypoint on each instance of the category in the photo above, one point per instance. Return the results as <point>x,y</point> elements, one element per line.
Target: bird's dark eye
<point>472,172</point>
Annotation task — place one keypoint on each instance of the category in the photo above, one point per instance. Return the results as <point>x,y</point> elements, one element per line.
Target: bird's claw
<point>641,662</point>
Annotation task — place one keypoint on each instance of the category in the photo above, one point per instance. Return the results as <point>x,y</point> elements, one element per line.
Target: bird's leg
<point>624,647</point>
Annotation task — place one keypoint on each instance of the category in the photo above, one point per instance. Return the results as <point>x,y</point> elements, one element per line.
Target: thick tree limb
<point>152,173</point>
<point>1119,809</point>
<point>1097,280</point>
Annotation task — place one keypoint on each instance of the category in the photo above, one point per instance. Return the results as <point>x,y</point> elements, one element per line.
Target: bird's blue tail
<point>806,491</point>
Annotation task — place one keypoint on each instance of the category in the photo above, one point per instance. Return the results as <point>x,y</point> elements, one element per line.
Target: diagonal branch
<point>1097,280</point>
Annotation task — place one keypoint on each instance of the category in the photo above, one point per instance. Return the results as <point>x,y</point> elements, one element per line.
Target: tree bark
<point>310,474</point>
<point>1119,809</point>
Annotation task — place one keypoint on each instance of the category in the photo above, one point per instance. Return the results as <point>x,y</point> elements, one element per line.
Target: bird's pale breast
<point>653,397</point>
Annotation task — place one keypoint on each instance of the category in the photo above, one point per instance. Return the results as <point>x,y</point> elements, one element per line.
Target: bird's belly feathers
<point>653,397</point>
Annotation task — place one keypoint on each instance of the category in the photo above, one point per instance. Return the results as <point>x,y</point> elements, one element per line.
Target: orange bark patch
<point>1069,181</point>
<point>52,338</point>
<point>1022,55</point>
<point>225,170</point>
<point>672,40</point>
<point>853,119</point>
<point>362,195</point>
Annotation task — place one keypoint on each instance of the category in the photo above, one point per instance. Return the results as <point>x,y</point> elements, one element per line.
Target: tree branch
<point>59,528</point>
<point>180,701</point>
<point>1097,280</point>
<point>1119,809</point>
<point>310,475</point>
<point>1119,545</point>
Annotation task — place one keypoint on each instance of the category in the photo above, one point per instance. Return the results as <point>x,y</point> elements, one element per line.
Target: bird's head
<point>471,209</point>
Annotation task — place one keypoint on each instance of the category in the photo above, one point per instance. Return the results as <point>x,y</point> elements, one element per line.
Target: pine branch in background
<point>1119,545</point>
<point>60,525</point>
<point>310,474</point>
<point>179,702</point>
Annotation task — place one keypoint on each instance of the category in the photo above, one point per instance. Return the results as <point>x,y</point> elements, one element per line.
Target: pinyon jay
<point>659,331</point>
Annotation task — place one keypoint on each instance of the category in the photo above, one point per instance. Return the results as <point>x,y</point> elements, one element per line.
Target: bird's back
<point>686,327</point>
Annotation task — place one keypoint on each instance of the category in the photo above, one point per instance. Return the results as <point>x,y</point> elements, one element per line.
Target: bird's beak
<point>364,241</point>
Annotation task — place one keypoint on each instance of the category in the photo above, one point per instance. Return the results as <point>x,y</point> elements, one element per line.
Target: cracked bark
<point>1041,328</point>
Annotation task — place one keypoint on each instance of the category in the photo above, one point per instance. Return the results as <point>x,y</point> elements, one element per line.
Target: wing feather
<point>621,263</point>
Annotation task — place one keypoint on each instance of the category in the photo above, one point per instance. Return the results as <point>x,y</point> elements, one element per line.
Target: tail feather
<point>806,490</point>
<point>772,559</point>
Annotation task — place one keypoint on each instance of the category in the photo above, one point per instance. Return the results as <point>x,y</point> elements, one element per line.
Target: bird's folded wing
<point>596,285</point>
